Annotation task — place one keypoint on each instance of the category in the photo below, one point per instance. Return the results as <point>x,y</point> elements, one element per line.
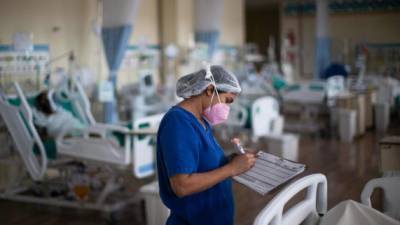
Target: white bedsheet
<point>354,213</point>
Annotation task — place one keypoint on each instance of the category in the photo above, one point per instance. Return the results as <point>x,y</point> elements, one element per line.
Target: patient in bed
<point>51,120</point>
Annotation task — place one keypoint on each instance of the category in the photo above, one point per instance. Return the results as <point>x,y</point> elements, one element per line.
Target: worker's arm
<point>187,184</point>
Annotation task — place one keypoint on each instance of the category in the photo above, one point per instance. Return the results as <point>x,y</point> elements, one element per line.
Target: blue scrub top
<point>184,146</point>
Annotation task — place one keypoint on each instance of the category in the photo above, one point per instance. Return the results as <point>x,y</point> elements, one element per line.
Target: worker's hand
<point>241,163</point>
<point>252,151</point>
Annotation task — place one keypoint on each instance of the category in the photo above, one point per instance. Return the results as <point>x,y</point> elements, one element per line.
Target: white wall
<point>178,17</point>
<point>74,19</point>
<point>233,24</point>
<point>360,27</point>
<point>40,17</point>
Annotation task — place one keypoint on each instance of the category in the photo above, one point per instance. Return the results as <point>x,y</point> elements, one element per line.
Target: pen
<point>239,147</point>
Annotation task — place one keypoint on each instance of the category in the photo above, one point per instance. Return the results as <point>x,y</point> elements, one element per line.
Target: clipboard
<point>269,172</point>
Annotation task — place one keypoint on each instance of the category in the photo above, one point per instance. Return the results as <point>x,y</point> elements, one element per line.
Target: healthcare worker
<point>193,173</point>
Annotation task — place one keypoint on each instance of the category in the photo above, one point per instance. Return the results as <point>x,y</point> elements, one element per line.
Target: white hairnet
<point>195,83</point>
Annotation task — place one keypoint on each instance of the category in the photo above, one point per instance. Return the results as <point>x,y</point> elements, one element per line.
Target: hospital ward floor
<point>347,167</point>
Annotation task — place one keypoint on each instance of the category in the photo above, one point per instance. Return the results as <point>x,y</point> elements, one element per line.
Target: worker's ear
<point>209,91</point>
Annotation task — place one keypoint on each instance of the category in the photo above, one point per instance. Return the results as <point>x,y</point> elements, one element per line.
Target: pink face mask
<point>218,113</point>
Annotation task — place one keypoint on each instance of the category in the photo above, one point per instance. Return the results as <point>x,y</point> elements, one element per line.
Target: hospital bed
<point>109,148</point>
<point>131,143</point>
<point>103,143</point>
<point>99,142</point>
<point>304,106</point>
<point>312,209</point>
<point>309,209</point>
<point>312,92</point>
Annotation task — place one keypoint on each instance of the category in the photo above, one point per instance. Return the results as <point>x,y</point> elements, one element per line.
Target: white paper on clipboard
<point>269,172</point>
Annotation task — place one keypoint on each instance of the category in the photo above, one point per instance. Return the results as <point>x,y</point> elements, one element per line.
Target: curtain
<point>207,23</point>
<point>323,41</point>
<point>118,20</point>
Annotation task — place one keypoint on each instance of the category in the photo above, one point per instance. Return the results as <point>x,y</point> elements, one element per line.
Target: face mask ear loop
<point>216,91</point>
<point>212,97</point>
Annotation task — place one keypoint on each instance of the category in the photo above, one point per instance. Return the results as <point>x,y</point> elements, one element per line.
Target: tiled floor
<point>347,167</point>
